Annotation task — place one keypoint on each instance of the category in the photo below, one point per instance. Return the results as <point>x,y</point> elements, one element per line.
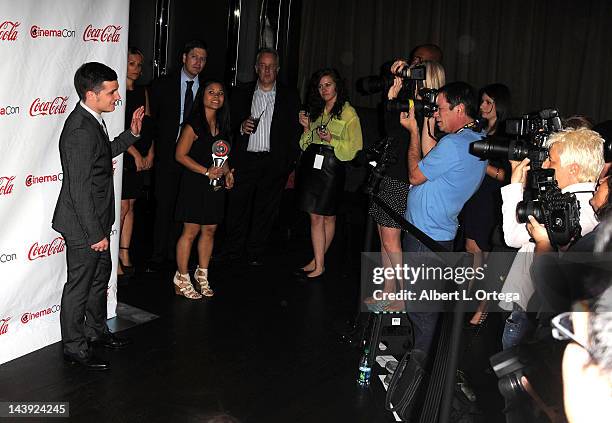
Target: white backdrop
<point>41,45</point>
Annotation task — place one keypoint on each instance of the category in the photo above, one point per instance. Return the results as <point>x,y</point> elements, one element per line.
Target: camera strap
<point>472,125</point>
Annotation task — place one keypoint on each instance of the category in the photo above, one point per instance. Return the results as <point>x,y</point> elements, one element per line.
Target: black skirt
<point>320,190</point>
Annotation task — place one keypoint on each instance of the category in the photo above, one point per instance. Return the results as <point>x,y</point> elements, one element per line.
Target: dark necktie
<point>104,128</point>
<point>188,101</point>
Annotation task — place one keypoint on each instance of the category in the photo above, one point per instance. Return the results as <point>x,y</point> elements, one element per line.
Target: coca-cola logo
<point>108,34</point>
<point>32,179</point>
<point>8,31</point>
<point>54,107</point>
<point>6,185</point>
<point>4,325</point>
<point>45,250</point>
<point>36,32</point>
<point>28,317</point>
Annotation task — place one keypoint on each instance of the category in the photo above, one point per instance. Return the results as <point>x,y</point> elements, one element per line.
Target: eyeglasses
<point>262,67</point>
<point>563,329</point>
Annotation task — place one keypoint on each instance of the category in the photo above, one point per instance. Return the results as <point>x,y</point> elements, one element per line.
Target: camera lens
<point>526,208</point>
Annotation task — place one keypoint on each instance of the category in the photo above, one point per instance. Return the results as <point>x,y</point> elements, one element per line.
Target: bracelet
<point>206,173</point>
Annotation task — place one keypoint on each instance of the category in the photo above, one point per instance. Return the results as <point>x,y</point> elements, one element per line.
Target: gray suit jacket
<point>85,209</point>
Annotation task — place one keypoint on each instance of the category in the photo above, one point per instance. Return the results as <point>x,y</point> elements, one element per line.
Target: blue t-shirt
<point>453,175</point>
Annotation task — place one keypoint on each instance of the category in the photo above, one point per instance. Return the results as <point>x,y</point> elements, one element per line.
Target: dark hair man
<point>444,176</point>
<point>84,213</point>
<point>171,103</point>
<point>263,156</point>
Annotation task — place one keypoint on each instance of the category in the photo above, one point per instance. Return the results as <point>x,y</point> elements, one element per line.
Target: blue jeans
<point>424,323</point>
<point>516,327</point>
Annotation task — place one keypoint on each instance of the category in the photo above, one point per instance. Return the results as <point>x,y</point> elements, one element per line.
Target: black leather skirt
<point>320,190</point>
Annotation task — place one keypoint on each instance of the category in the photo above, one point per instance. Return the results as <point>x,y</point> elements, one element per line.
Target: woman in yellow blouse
<point>332,136</point>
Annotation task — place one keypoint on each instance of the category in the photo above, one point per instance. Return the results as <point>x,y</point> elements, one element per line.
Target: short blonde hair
<point>583,147</point>
<point>435,77</point>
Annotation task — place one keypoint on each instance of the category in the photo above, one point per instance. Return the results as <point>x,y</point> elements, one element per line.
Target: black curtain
<point>551,53</point>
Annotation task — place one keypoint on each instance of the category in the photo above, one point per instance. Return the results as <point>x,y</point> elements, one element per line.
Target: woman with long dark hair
<point>482,212</point>
<point>332,136</point>
<point>199,206</point>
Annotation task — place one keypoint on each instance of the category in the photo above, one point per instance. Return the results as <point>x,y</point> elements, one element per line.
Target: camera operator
<point>576,155</point>
<point>393,188</point>
<point>444,177</point>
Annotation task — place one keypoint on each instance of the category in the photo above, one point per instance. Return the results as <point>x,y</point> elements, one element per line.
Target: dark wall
<point>206,20</point>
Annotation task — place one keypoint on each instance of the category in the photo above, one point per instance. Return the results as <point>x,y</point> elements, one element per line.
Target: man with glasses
<point>267,131</point>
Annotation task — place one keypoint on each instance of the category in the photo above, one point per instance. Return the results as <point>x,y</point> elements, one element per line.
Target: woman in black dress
<point>331,137</point>
<point>138,159</point>
<point>199,206</point>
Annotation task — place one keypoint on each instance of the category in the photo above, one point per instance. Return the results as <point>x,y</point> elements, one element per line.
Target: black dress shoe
<point>87,360</point>
<point>111,341</point>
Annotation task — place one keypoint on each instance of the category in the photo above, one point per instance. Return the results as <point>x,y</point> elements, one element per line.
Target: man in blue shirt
<point>443,176</point>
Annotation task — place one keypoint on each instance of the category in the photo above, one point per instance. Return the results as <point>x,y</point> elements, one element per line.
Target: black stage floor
<point>265,348</point>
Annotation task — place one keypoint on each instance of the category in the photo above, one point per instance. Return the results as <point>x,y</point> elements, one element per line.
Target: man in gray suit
<point>85,212</point>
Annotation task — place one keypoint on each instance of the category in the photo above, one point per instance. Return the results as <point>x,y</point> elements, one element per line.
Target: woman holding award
<point>332,136</point>
<point>200,203</point>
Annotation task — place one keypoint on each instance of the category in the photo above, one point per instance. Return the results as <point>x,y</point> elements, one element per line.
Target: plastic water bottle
<point>364,369</point>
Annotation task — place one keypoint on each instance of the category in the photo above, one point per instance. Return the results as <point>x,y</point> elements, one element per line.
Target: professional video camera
<point>426,106</point>
<point>542,198</point>
<point>377,83</point>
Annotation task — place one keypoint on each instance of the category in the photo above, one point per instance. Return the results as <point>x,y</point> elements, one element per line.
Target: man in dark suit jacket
<point>262,156</point>
<point>171,102</point>
<point>85,212</point>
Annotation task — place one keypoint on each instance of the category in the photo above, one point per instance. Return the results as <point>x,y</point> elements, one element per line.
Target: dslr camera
<point>425,107</point>
<point>542,198</point>
<point>381,83</point>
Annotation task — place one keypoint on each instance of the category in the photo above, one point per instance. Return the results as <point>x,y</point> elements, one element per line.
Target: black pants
<point>166,229</point>
<point>83,312</point>
<point>253,204</point>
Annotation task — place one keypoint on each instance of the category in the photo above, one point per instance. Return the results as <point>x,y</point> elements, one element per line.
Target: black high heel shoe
<point>127,270</point>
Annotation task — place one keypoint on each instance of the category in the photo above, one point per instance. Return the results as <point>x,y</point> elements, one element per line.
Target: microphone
<point>220,153</point>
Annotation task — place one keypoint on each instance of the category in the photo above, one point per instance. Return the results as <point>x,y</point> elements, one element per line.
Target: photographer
<point>393,188</point>
<point>443,178</point>
<point>577,158</point>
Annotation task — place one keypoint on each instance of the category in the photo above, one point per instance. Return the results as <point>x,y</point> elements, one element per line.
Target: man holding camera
<point>444,175</point>
<point>577,159</point>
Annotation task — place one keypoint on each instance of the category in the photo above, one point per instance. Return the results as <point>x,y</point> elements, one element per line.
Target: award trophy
<point>220,153</point>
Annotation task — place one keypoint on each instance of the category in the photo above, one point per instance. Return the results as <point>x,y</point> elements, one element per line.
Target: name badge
<point>318,162</point>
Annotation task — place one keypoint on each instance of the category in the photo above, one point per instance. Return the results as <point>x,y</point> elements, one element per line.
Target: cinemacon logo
<point>36,32</point>
<point>28,317</point>
<point>31,179</point>
<point>51,107</point>
<point>6,258</point>
<point>9,110</point>
<point>8,31</point>
<point>46,250</point>
<point>108,34</point>
<point>6,185</point>
<point>4,325</point>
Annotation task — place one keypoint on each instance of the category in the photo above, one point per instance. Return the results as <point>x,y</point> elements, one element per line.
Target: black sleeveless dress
<point>197,202</point>
<point>133,182</point>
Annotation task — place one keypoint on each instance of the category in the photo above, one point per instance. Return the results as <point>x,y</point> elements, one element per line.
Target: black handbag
<point>405,388</point>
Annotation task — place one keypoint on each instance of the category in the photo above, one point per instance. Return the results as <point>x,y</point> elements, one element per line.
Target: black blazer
<point>165,107</point>
<point>284,132</point>
<point>85,209</point>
